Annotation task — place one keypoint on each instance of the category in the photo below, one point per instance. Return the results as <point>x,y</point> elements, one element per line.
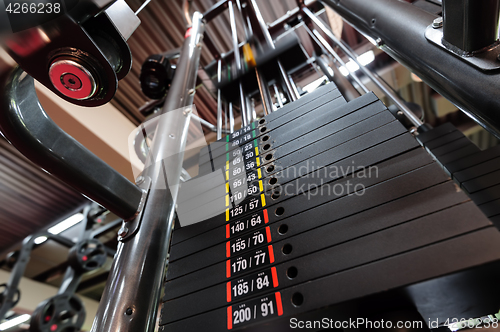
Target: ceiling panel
<point>30,199</point>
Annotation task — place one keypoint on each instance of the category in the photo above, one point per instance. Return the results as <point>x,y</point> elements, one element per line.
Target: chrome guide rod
<point>206,123</point>
<point>249,109</point>
<point>262,24</point>
<point>292,91</point>
<point>267,104</point>
<point>226,115</point>
<point>278,96</point>
<point>140,140</point>
<point>132,294</point>
<point>294,86</point>
<point>252,115</point>
<point>380,84</point>
<point>219,102</point>
<point>231,118</point>
<point>243,106</point>
<point>237,60</point>
<point>248,33</point>
<point>322,42</point>
<point>265,95</point>
<point>234,35</point>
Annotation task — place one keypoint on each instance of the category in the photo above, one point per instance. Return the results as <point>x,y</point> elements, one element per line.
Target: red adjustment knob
<point>72,79</point>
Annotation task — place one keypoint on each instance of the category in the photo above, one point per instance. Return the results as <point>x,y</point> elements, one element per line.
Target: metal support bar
<point>340,61</point>
<point>131,298</point>
<point>226,117</point>
<point>140,145</point>
<point>286,80</point>
<point>59,239</point>
<point>219,115</point>
<point>234,35</point>
<point>471,90</point>
<point>318,39</point>
<point>206,123</point>
<point>247,20</point>
<point>381,84</point>
<point>72,278</point>
<point>248,32</point>
<point>282,24</point>
<point>185,175</point>
<point>470,25</point>
<point>215,10</point>
<point>70,282</point>
<point>267,103</point>
<point>262,24</point>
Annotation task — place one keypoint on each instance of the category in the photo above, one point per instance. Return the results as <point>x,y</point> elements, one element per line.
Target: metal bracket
<point>485,59</point>
<point>131,226</point>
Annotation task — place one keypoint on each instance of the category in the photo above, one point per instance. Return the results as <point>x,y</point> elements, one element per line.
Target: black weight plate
<point>472,160</point>
<point>289,108</point>
<point>451,147</point>
<point>486,195</point>
<point>384,171</point>
<point>323,157</point>
<point>466,151</point>
<point>401,210</point>
<point>409,183</point>
<point>443,140</point>
<point>301,114</point>
<point>477,170</point>
<point>482,182</point>
<point>278,129</point>
<point>491,209</point>
<point>409,236</point>
<point>436,133</point>
<point>369,117</point>
<point>364,158</point>
<point>331,118</point>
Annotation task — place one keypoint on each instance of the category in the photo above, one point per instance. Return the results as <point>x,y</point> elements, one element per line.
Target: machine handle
<point>25,124</point>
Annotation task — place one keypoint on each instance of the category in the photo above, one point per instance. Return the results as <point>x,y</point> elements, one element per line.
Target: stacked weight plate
<point>240,157</point>
<point>336,206</point>
<point>477,172</point>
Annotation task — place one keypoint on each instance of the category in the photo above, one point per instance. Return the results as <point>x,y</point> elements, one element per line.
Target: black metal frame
<point>473,91</point>
<point>71,278</point>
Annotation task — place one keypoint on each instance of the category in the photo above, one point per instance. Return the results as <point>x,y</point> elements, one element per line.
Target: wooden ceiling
<point>162,29</point>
